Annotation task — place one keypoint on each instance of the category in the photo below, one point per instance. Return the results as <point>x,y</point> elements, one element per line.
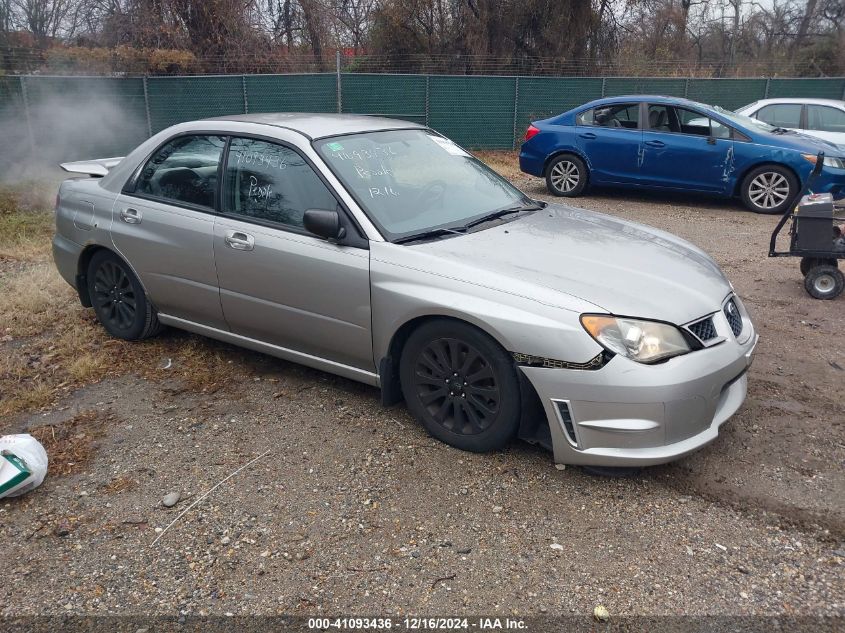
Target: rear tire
<point>808,263</point>
<point>769,189</point>
<point>119,300</point>
<point>824,282</point>
<point>566,176</point>
<point>461,385</point>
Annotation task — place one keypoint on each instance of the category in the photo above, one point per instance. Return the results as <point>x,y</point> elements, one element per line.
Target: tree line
<point>567,37</point>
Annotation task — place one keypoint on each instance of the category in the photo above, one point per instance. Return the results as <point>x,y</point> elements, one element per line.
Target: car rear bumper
<point>66,255</point>
<point>531,160</point>
<point>628,414</point>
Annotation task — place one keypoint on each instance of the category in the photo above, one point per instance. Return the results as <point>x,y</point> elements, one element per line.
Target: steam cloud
<point>64,127</point>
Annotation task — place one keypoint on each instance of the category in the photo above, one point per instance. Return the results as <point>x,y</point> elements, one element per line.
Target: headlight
<point>642,341</point>
<point>829,161</point>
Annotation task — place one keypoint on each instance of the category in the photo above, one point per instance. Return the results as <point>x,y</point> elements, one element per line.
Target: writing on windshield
<point>414,180</point>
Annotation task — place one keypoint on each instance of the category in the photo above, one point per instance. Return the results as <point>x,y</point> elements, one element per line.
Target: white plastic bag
<point>23,464</point>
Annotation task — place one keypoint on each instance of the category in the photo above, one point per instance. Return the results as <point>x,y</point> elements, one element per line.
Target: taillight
<point>531,132</point>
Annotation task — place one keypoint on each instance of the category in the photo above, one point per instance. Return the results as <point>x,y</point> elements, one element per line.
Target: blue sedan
<point>676,144</point>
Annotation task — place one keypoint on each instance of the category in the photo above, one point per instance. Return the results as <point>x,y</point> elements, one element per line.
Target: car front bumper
<point>832,181</point>
<point>629,414</point>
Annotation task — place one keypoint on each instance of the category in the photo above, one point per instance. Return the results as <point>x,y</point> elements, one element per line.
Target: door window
<point>663,118</point>
<point>825,119</point>
<point>781,114</point>
<point>272,183</point>
<point>183,171</point>
<point>659,119</point>
<point>620,115</point>
<point>692,122</point>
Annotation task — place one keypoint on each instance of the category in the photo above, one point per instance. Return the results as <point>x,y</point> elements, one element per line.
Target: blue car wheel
<point>566,176</point>
<point>769,189</point>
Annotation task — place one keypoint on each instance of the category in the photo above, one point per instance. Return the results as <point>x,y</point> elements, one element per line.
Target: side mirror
<point>324,223</point>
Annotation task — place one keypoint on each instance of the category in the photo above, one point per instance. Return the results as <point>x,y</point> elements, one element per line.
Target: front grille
<point>705,330</point>
<point>734,317</point>
<point>566,419</point>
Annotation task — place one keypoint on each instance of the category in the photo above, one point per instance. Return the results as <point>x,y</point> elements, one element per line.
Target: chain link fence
<point>67,118</point>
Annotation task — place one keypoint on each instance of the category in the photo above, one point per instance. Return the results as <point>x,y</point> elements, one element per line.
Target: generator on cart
<point>815,236</point>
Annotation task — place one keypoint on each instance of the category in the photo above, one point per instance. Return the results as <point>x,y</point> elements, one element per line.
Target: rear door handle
<point>131,216</point>
<point>239,241</point>
<point>589,135</point>
<point>655,143</point>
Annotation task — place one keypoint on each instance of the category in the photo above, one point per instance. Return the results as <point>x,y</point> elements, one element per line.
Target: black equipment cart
<point>815,238</point>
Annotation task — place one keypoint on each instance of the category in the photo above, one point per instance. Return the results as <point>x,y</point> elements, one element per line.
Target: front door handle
<point>655,143</point>
<point>239,241</point>
<point>131,216</point>
<point>589,135</point>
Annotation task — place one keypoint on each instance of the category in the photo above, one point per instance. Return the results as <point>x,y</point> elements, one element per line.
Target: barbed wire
<point>129,62</point>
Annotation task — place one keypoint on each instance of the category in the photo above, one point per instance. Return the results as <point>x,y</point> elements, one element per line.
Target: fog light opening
<point>564,415</point>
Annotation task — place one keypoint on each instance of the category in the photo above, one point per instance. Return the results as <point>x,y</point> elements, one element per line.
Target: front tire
<point>769,189</point>
<point>566,176</point>
<point>824,282</point>
<point>119,300</point>
<point>461,385</point>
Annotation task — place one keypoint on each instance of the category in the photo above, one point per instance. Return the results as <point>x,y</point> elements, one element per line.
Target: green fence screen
<point>65,118</point>
<point>290,93</point>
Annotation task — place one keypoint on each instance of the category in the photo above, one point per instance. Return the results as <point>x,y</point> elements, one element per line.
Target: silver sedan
<point>379,250</point>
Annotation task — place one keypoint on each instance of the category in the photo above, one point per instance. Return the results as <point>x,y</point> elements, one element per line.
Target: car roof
<point>639,97</point>
<point>316,126</point>
<point>811,100</point>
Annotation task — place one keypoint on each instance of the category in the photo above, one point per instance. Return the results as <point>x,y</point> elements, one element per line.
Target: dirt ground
<point>352,509</point>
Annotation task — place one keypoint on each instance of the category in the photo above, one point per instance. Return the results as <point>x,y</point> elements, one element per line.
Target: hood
<point>801,142</point>
<point>622,267</point>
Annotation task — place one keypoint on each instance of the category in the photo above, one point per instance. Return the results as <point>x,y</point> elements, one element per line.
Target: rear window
<point>825,119</point>
<point>617,115</point>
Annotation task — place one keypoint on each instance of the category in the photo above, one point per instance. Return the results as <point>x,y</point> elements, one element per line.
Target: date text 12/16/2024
<point>417,624</point>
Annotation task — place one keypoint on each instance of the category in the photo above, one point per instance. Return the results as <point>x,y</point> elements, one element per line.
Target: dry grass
<point>505,163</point>
<point>32,299</point>
<point>50,344</point>
<point>70,444</point>
<point>62,347</point>
<point>26,222</point>
<point>118,485</point>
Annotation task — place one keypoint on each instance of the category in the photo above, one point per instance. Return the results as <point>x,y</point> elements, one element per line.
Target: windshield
<point>415,181</point>
<point>741,119</point>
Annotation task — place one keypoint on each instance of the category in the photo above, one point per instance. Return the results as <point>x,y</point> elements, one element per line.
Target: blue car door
<point>610,136</point>
<point>685,149</point>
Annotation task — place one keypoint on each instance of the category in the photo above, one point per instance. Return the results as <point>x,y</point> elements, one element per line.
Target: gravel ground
<point>353,509</point>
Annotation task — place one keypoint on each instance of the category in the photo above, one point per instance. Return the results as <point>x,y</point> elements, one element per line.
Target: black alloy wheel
<point>119,299</point>
<point>114,298</point>
<point>461,385</point>
<point>457,386</point>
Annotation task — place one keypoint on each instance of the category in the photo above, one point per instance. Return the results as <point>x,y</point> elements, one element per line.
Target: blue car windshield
<point>413,181</point>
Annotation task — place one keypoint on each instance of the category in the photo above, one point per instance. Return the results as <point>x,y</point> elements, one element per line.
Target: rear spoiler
<point>98,167</point>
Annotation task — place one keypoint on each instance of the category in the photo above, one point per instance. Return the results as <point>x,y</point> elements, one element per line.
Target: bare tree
<point>48,19</point>
<point>463,36</point>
